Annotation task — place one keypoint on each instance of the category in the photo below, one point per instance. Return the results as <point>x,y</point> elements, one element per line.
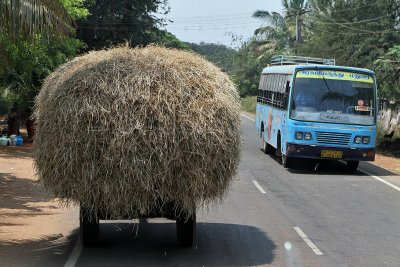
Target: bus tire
<point>287,162</point>
<point>352,165</point>
<point>267,148</point>
<point>186,230</point>
<point>89,229</point>
<point>278,152</point>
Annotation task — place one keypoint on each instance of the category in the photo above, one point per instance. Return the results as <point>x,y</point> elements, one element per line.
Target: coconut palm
<point>280,31</point>
<point>276,34</point>
<point>29,17</point>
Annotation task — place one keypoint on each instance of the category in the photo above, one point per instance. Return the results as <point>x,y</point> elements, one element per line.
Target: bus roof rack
<point>296,60</point>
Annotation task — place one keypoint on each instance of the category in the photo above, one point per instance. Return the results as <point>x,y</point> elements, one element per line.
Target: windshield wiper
<point>326,83</point>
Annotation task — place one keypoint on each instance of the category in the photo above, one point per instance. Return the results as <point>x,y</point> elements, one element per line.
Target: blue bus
<point>311,108</point>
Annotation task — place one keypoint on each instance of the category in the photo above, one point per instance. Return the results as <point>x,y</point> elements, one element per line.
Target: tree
<point>388,71</point>
<point>359,33</point>
<point>115,22</point>
<point>280,31</point>
<point>221,55</point>
<point>250,61</point>
<point>276,35</point>
<point>27,61</point>
<point>30,17</point>
<point>355,32</point>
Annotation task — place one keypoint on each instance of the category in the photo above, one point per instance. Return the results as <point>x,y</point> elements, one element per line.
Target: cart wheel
<point>89,229</point>
<point>186,230</point>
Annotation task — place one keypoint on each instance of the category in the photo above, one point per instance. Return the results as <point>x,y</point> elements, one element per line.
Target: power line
<point>355,22</point>
<point>348,33</point>
<point>191,28</point>
<point>230,21</point>
<point>358,7</point>
<point>346,25</point>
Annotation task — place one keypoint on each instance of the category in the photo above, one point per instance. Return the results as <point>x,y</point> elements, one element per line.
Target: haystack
<point>129,130</point>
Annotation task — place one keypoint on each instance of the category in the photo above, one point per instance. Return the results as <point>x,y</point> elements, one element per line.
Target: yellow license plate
<point>334,154</point>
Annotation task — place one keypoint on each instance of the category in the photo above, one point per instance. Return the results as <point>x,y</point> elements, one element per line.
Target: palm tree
<point>276,34</point>
<point>30,17</point>
<point>280,31</point>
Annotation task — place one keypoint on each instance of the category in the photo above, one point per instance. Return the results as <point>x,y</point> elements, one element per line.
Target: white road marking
<point>76,252</point>
<point>381,180</point>
<point>258,186</point>
<point>307,240</point>
<point>247,117</point>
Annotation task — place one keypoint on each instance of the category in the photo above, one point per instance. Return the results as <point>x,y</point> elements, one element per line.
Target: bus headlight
<point>299,135</point>
<point>307,136</point>
<point>365,140</point>
<point>357,140</point>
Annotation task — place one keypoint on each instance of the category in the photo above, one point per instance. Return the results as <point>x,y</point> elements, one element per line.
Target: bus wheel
<point>352,165</point>
<point>286,161</point>
<point>267,148</point>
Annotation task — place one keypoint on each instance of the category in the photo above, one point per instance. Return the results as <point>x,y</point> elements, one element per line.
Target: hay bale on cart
<point>128,133</point>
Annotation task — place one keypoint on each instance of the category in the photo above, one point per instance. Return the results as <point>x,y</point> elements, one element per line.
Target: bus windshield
<point>333,97</point>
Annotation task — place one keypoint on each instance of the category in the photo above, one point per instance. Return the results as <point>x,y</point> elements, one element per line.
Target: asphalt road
<point>316,214</point>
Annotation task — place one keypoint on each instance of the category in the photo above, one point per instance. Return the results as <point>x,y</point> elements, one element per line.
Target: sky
<point>214,21</point>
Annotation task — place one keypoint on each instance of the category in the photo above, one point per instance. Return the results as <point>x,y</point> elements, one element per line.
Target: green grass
<point>249,104</point>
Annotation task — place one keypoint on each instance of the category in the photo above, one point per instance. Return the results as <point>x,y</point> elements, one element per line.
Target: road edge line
<point>307,240</point>
<point>380,180</point>
<point>74,256</point>
<point>247,117</point>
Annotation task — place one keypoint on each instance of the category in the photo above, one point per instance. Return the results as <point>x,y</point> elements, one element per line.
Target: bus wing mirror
<point>287,87</point>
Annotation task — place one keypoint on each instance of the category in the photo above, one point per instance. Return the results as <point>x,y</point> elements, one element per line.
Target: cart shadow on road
<point>217,244</point>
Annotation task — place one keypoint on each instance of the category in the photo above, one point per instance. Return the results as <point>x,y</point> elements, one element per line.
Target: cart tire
<point>89,229</point>
<point>186,231</point>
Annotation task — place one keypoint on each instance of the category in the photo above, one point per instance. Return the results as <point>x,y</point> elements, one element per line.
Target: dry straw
<point>129,130</point>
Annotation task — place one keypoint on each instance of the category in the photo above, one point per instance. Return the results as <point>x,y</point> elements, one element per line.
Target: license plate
<point>335,154</point>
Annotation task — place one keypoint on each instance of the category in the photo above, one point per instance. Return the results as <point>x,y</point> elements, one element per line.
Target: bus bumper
<point>319,152</point>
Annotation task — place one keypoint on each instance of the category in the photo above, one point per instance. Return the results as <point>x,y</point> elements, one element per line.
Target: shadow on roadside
<point>20,152</point>
<point>22,195</point>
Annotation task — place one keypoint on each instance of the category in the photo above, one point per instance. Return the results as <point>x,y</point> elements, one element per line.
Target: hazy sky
<point>212,21</point>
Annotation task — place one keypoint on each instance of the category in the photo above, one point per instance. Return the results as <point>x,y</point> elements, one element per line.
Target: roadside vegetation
<point>249,104</point>
<point>71,27</point>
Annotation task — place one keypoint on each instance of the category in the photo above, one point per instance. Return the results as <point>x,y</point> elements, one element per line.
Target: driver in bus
<point>305,100</point>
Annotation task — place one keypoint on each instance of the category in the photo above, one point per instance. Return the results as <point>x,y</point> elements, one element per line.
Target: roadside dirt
<point>26,212</point>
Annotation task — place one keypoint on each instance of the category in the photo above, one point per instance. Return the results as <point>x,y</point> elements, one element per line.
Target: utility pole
<point>299,38</point>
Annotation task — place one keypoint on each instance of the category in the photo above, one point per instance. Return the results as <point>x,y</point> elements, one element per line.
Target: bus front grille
<point>329,138</point>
